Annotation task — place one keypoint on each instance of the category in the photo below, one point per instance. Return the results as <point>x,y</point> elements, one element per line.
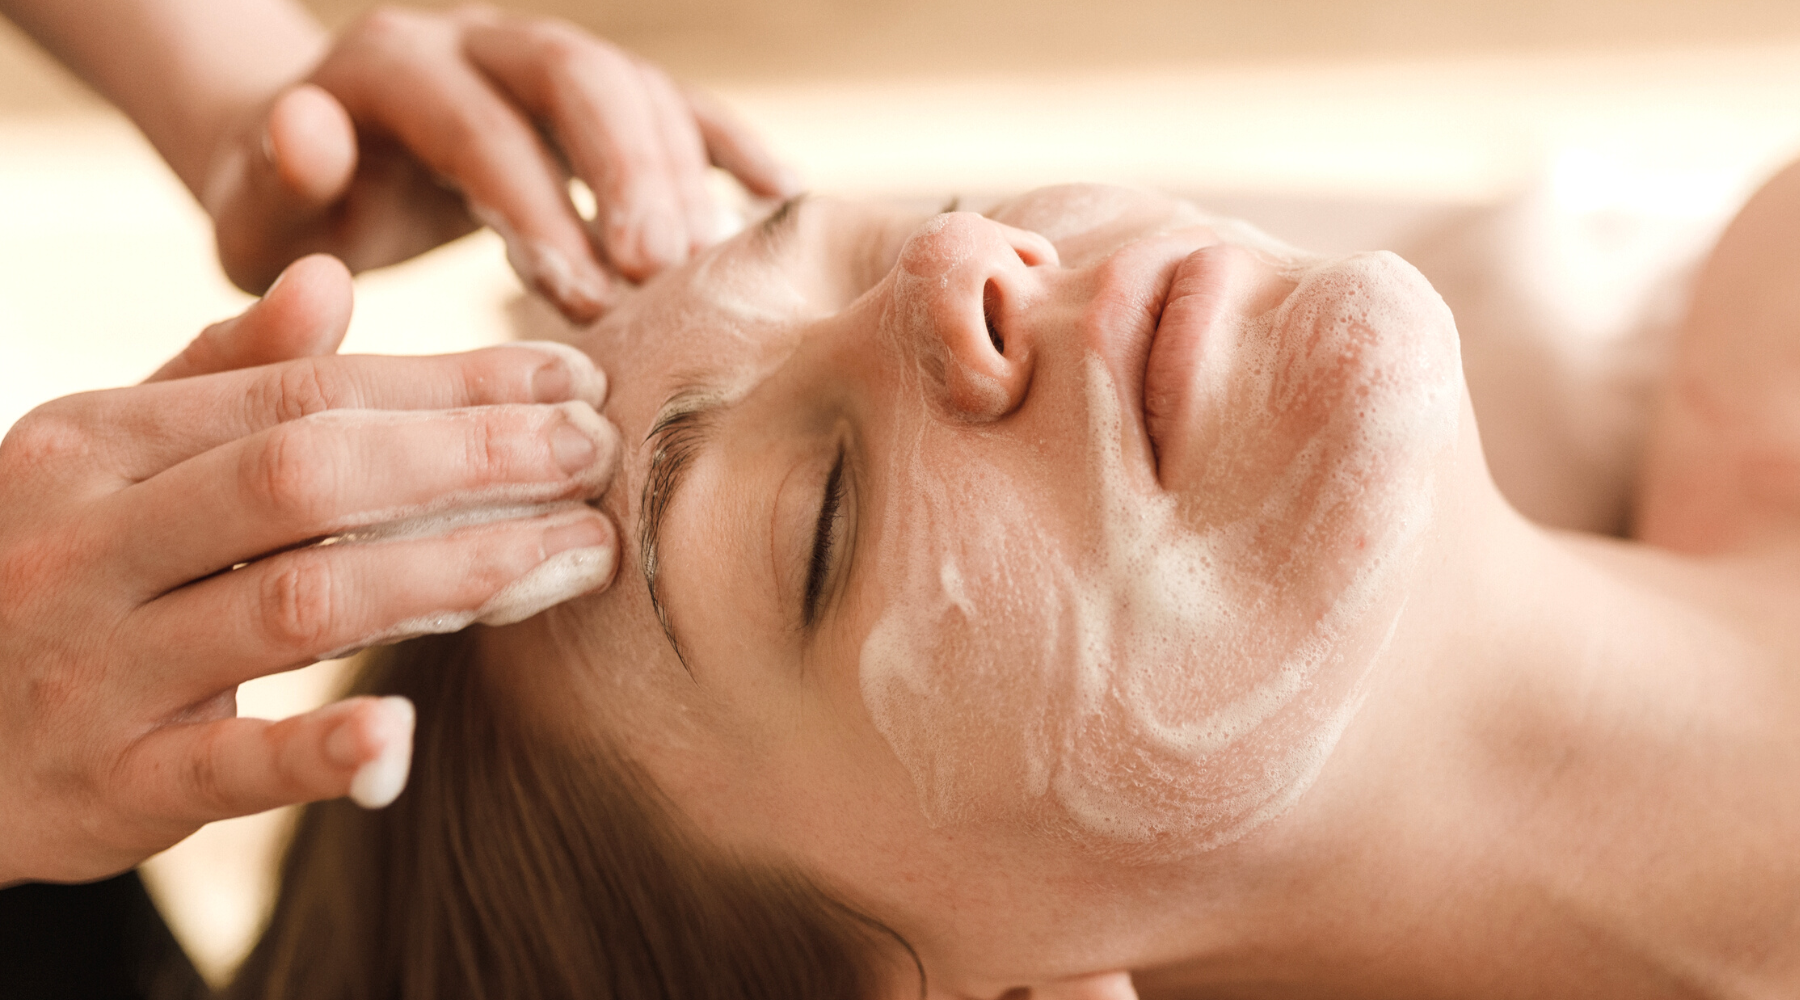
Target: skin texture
<point>1536,698</point>
<point>154,554</point>
<point>410,129</point>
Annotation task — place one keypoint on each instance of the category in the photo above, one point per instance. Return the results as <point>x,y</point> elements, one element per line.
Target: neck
<point>1587,780</point>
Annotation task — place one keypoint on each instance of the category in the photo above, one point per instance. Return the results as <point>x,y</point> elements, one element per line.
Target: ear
<point>1098,986</point>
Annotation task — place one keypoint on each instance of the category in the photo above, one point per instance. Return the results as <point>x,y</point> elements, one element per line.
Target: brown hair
<point>516,866</point>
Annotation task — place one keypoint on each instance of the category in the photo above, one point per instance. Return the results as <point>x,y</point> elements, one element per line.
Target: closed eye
<point>824,534</point>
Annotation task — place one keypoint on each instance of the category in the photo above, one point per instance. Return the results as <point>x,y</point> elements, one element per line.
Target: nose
<point>965,282</point>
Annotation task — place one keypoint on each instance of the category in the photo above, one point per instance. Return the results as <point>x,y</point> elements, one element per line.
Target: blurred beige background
<point>1331,122</point>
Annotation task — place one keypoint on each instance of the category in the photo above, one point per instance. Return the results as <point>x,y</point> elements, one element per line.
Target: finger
<point>594,99</point>
<point>311,147</point>
<point>735,148</point>
<point>304,314</point>
<point>155,426</point>
<point>200,772</point>
<point>685,152</point>
<point>281,179</point>
<point>449,117</point>
<point>320,476</point>
<point>325,601</point>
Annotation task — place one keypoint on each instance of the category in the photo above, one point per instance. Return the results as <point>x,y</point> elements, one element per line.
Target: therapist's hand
<point>125,628</point>
<point>418,125</point>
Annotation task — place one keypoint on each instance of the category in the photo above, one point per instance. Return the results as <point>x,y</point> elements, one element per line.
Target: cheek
<point>953,671</point>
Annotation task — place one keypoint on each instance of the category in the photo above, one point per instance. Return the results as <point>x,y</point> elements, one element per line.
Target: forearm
<point>183,70</point>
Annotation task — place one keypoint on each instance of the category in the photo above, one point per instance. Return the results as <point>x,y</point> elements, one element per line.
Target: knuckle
<point>386,24</point>
<point>51,433</point>
<point>32,570</point>
<point>561,49</point>
<point>51,693</point>
<point>293,474</point>
<point>573,63</point>
<point>298,389</point>
<point>204,780</point>
<point>302,605</point>
<point>488,450</point>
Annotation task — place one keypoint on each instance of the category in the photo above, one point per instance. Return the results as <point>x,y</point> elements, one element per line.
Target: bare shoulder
<point>1722,462</point>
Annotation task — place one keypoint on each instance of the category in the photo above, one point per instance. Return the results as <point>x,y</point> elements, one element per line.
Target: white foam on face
<point>1165,672</point>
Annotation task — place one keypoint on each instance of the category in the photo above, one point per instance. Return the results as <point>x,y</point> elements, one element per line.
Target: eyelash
<point>822,538</point>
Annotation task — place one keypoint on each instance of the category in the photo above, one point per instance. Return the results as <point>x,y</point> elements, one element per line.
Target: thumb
<point>310,145</point>
<point>282,178</point>
<point>305,314</point>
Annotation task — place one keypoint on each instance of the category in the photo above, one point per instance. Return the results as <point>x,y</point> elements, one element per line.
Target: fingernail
<point>570,375</point>
<point>574,450</point>
<point>379,782</point>
<point>586,533</point>
<point>588,296</point>
<point>552,383</point>
<point>660,240</point>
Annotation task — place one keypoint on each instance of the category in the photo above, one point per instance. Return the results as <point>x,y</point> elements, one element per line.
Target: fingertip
<point>569,375</point>
<point>644,239</point>
<point>662,239</point>
<point>578,288</point>
<point>306,312</point>
<point>388,724</point>
<point>310,142</point>
<point>316,269</point>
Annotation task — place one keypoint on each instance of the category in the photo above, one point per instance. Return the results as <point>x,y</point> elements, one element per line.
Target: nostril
<point>990,312</point>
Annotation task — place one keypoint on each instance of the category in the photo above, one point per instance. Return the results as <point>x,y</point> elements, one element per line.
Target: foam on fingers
<point>577,553</point>
<point>586,382</point>
<point>380,780</point>
<point>581,293</point>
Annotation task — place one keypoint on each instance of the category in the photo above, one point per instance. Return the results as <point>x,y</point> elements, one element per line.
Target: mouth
<point>1123,322</point>
<point>1188,357</point>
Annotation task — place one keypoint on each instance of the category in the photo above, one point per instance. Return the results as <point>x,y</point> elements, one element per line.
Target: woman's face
<point>975,546</point>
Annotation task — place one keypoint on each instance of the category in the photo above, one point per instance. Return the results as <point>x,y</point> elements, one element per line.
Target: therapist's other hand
<point>418,125</point>
<point>125,629</point>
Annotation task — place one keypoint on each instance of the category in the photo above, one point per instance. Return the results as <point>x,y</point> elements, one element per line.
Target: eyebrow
<point>681,430</point>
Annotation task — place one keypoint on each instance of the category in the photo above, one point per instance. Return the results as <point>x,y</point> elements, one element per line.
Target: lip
<point>1210,291</point>
<point>1154,353</point>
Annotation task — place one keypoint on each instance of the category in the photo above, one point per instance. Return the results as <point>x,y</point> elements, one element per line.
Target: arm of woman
<point>409,129</point>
